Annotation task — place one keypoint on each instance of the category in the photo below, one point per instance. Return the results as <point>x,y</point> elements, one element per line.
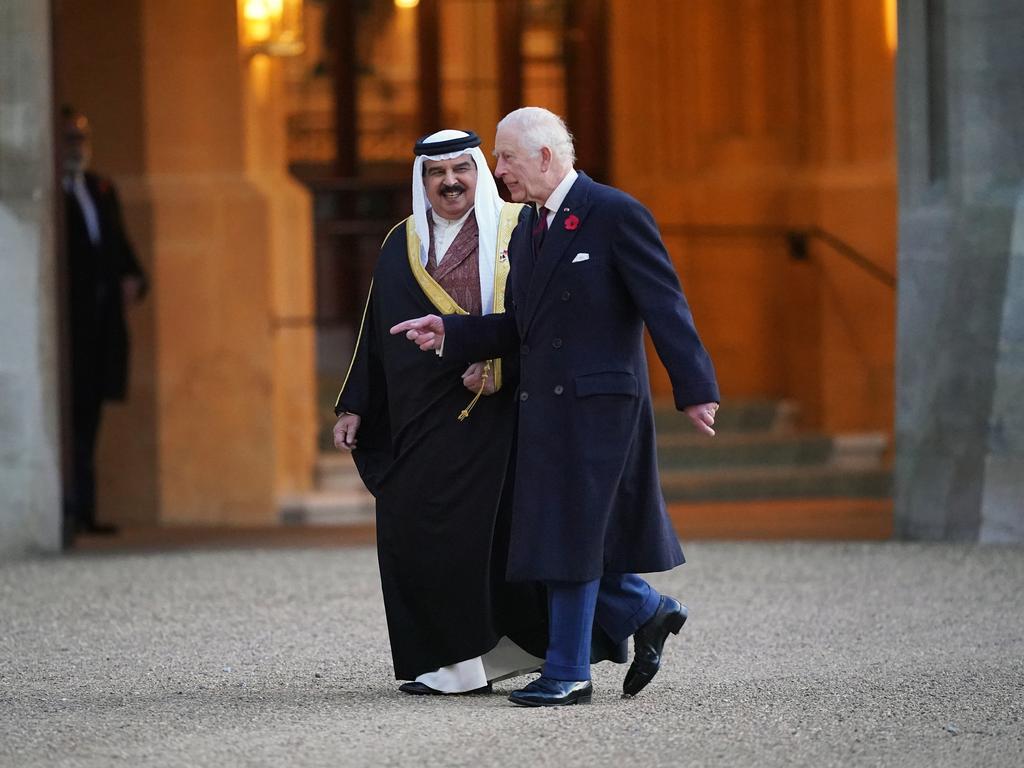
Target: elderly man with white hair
<point>589,272</point>
<point>432,437</point>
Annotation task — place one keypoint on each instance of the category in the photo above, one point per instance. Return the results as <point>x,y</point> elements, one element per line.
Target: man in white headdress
<point>432,437</point>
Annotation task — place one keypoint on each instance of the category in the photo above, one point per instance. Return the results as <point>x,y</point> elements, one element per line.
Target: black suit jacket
<point>587,495</point>
<point>99,334</point>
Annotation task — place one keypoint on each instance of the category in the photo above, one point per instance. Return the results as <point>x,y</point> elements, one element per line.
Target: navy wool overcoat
<point>587,499</point>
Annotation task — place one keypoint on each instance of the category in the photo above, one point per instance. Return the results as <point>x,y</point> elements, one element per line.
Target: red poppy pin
<point>572,221</point>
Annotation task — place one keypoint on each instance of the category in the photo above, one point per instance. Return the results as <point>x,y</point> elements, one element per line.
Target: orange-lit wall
<point>774,114</point>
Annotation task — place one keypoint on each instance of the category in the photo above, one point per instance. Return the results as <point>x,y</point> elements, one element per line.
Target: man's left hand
<point>474,377</point>
<point>703,417</point>
<point>345,431</point>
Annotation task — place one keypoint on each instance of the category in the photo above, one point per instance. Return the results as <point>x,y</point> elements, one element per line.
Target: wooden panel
<point>469,67</point>
<point>769,114</point>
<point>428,59</point>
<point>736,287</point>
<point>587,78</point>
<point>509,32</point>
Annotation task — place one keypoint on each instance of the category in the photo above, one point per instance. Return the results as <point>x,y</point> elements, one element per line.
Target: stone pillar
<point>960,433</point>
<point>30,497</point>
<point>290,271</point>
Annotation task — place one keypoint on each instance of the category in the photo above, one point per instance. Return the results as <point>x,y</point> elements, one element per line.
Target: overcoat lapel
<point>556,243</point>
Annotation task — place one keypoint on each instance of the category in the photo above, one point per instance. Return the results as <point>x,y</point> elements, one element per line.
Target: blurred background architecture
<point>262,149</point>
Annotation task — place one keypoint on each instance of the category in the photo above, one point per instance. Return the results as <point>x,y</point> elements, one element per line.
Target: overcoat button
<point>557,343</point>
<point>559,389</point>
<point>525,349</point>
<point>566,296</point>
<point>524,396</point>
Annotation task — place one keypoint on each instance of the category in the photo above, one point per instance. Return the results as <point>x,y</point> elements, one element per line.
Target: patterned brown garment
<point>459,273</point>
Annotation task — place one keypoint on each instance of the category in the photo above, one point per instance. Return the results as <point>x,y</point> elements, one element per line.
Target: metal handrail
<point>797,240</point>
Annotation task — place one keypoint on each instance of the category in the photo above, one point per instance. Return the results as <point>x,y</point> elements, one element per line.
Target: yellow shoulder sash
<point>444,303</point>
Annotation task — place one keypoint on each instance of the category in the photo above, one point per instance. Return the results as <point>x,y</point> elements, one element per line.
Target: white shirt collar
<point>441,221</point>
<point>73,180</point>
<point>445,231</point>
<point>554,201</point>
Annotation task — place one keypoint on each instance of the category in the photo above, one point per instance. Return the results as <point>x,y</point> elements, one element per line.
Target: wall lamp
<point>273,27</point>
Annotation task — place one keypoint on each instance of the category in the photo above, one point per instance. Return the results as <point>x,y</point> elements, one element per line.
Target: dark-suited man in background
<point>589,270</point>
<point>104,277</point>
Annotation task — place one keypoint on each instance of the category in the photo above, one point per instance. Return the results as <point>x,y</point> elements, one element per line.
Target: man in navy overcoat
<point>588,272</point>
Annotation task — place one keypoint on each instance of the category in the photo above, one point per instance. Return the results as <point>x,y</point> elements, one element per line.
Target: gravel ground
<point>794,654</point>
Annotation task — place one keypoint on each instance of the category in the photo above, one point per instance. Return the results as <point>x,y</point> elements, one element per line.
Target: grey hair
<point>537,127</point>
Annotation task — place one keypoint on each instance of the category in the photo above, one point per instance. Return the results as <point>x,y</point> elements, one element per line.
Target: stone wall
<point>30,499</point>
<point>960,377</point>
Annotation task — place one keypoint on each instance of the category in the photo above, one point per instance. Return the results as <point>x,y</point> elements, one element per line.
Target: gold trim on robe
<point>507,220</point>
<point>444,303</point>
<point>355,350</point>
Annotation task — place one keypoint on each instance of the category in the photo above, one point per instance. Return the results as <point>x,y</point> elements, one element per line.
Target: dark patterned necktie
<point>539,228</point>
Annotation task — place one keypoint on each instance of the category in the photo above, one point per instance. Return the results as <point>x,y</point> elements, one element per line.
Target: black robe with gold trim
<point>442,516</point>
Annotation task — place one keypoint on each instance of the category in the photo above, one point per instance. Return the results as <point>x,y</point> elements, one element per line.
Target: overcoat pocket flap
<point>606,383</point>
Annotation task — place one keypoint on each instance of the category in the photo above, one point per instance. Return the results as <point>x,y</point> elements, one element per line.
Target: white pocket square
<point>581,257</point>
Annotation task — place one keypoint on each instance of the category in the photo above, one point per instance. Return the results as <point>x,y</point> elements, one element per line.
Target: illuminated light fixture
<point>273,27</point>
<point>406,3</point>
<point>891,33</point>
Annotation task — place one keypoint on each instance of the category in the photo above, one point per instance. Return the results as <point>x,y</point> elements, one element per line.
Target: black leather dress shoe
<point>648,643</point>
<point>422,689</point>
<point>548,692</point>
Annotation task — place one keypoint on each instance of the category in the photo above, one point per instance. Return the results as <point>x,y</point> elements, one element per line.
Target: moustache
<point>446,188</point>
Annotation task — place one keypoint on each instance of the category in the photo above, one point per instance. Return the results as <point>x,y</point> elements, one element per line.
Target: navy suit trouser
<point>620,603</point>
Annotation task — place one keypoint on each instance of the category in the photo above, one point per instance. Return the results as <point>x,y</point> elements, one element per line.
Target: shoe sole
<point>582,699</point>
<point>476,692</point>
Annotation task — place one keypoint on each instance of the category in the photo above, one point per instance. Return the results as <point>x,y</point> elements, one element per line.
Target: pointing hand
<point>425,332</point>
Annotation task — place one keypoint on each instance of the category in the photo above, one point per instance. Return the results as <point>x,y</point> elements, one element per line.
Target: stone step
<point>680,450</point>
<point>777,416</point>
<point>683,450</point>
<point>335,471</point>
<point>739,483</point>
<point>783,518</point>
<point>328,507</point>
<point>333,507</point>
<point>864,450</point>
<point>734,416</point>
<point>838,518</point>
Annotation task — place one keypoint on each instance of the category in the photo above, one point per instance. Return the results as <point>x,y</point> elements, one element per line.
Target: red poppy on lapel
<point>103,186</point>
<point>571,222</point>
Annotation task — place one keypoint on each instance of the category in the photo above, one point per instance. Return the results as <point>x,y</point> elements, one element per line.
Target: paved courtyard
<point>795,654</point>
